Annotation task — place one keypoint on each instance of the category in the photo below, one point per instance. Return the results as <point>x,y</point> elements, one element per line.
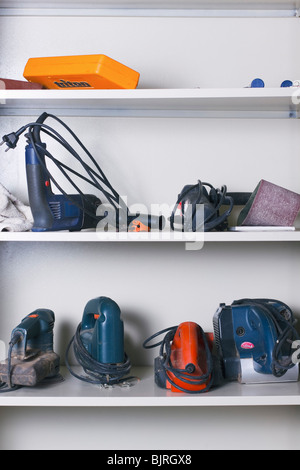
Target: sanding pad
<point>270,205</point>
<point>30,372</point>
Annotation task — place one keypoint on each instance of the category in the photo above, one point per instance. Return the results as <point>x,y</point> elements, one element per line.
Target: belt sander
<point>256,341</point>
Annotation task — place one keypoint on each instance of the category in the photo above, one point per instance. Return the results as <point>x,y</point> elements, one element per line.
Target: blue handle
<point>35,332</point>
<point>102,330</point>
<point>52,212</point>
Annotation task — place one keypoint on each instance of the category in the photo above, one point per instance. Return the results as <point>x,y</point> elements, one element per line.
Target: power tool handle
<point>35,331</point>
<point>103,314</point>
<point>38,189</point>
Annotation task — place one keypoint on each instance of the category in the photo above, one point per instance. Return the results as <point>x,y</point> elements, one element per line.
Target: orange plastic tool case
<point>80,72</point>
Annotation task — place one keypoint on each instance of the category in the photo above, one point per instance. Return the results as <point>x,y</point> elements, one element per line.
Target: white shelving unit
<point>216,103</point>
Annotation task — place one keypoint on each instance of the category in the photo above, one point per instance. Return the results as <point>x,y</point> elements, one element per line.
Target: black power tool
<point>200,208</point>
<point>31,358</point>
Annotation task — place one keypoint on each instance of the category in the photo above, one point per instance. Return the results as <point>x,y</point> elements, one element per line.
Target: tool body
<point>102,330</point>
<point>51,211</point>
<point>254,339</point>
<point>98,343</point>
<point>185,362</point>
<point>31,357</point>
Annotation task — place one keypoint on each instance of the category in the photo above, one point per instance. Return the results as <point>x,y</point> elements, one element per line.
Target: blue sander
<point>257,341</point>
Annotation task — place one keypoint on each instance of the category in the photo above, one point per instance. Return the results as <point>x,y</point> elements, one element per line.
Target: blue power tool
<point>255,341</point>
<point>98,343</point>
<point>73,212</point>
<point>30,357</point>
<point>51,211</point>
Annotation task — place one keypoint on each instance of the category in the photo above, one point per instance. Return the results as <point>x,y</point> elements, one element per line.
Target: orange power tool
<point>185,362</point>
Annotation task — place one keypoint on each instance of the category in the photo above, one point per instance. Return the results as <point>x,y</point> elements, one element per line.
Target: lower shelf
<point>145,393</point>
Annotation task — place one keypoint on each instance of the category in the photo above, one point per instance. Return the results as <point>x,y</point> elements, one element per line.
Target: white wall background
<point>149,161</point>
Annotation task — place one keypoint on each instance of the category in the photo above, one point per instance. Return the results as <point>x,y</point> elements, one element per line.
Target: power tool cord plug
<point>12,139</point>
<point>182,374</point>
<point>8,386</point>
<point>97,372</point>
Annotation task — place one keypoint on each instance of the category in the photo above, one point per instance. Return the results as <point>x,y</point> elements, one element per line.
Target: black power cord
<point>97,372</point>
<point>197,195</point>
<point>284,322</point>
<point>9,386</point>
<point>184,375</point>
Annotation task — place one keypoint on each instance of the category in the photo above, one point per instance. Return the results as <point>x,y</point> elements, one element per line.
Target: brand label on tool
<point>247,345</point>
<point>63,84</point>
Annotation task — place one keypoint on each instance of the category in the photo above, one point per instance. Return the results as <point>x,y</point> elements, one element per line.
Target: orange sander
<point>185,362</point>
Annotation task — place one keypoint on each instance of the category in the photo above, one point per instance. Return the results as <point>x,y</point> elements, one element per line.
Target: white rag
<point>14,215</point>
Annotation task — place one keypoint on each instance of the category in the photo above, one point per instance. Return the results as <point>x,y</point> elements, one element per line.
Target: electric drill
<point>73,212</point>
<point>31,357</point>
<point>51,211</point>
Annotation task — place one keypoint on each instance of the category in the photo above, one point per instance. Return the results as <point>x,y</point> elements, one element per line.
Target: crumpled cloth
<point>14,215</point>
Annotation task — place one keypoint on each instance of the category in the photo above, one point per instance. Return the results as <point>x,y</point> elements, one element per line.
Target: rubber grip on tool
<point>37,191</point>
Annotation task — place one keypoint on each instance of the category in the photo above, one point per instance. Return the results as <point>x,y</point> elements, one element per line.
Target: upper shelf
<point>151,7</point>
<point>197,102</point>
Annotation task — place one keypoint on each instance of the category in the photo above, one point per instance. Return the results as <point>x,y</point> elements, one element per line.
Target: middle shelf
<point>197,102</point>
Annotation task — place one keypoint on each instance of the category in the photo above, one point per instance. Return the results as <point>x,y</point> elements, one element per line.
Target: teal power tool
<point>98,344</point>
<point>31,358</point>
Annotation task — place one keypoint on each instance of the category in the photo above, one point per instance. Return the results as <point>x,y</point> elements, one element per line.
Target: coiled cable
<point>215,199</point>
<point>97,372</point>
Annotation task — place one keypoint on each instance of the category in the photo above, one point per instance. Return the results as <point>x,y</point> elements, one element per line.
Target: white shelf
<point>94,237</point>
<point>214,102</point>
<point>73,392</point>
<point>203,8</point>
